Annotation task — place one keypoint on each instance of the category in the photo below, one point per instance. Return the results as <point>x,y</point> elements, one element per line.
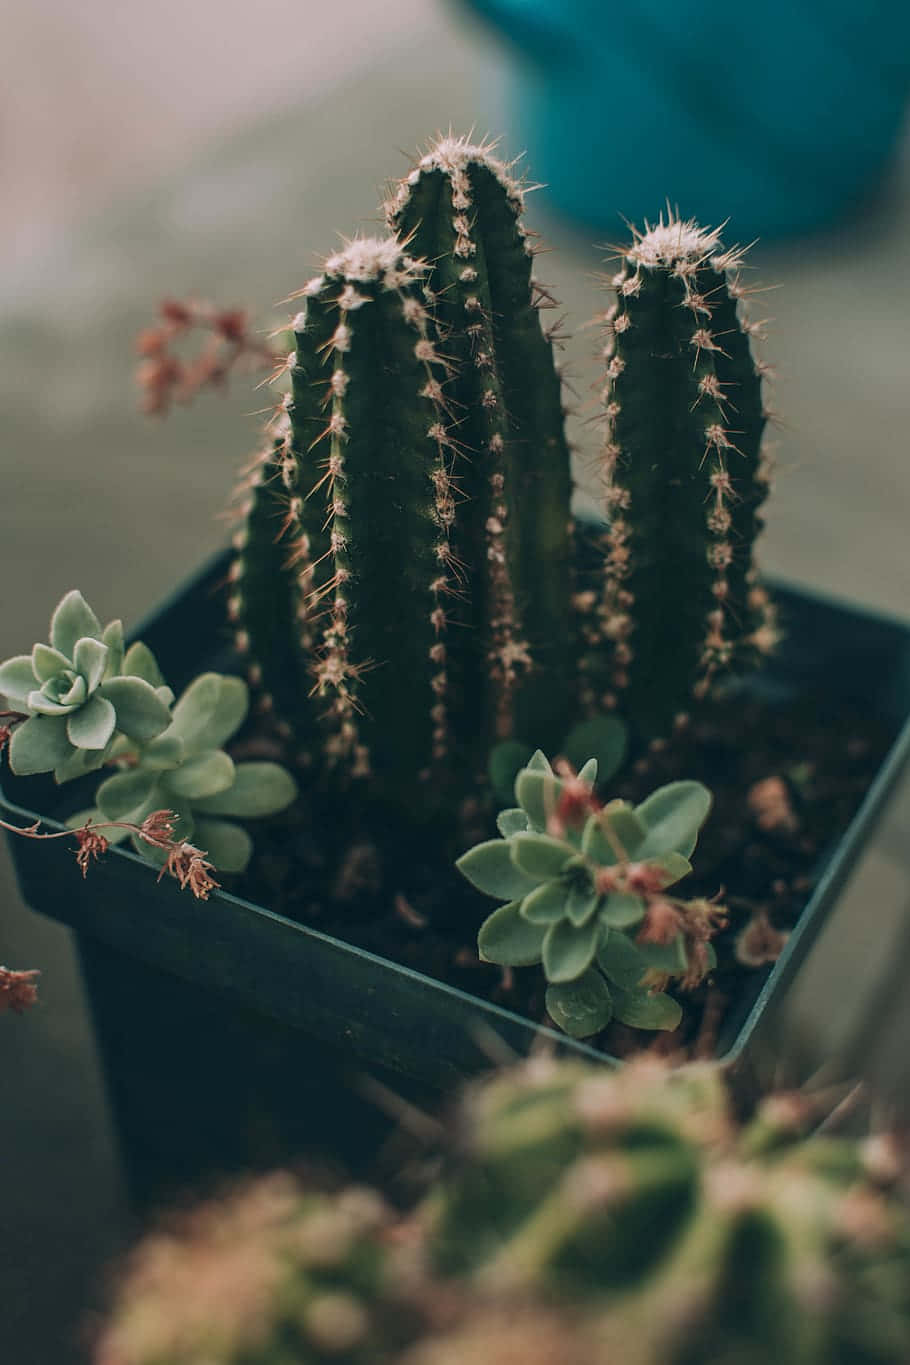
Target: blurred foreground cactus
<point>691,1240</point>
<point>585,1217</point>
<point>679,605</point>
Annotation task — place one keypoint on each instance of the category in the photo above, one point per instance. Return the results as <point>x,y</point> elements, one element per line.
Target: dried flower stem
<point>186,863</point>
<point>165,378</point>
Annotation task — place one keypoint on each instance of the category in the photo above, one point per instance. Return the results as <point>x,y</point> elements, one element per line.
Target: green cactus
<point>692,1240</point>
<point>461,210</point>
<point>270,1275</point>
<point>579,878</point>
<point>381,557</point>
<point>679,605</point>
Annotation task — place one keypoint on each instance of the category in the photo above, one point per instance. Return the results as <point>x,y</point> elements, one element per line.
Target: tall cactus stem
<point>460,209</point>
<point>679,604</point>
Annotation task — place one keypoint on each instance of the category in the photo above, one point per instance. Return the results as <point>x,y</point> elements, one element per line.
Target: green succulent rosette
<point>77,697</point>
<point>186,770</point>
<point>578,879</point>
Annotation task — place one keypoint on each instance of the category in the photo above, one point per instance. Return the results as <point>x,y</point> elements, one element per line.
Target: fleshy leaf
<point>46,662</point>
<point>489,867</point>
<point>162,753</point>
<point>626,831</point>
<point>122,795</point>
<point>140,662</point>
<point>539,763</point>
<point>545,905</point>
<point>539,855</point>
<point>140,713</point>
<point>581,1007</point>
<point>80,762</point>
<point>226,845</point>
<point>641,1009</point>
<point>588,771</point>
<point>506,762</point>
<point>92,725</point>
<point>666,957</point>
<point>39,745</point>
<point>620,959</point>
<point>581,902</point>
<point>602,737</point>
<point>674,867</point>
<point>72,620</point>
<point>90,659</point>
<point>538,795</point>
<point>512,821</point>
<point>112,636</point>
<point>621,910</point>
<point>17,677</point>
<point>43,706</point>
<point>508,939</point>
<point>673,815</point>
<point>568,951</point>
<point>258,789</point>
<point>211,709</point>
<point>200,775</point>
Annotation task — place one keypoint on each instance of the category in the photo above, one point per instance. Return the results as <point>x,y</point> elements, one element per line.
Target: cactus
<point>375,581</point>
<point>461,210</point>
<point>679,605</point>
<point>694,1240</point>
<point>270,1275</point>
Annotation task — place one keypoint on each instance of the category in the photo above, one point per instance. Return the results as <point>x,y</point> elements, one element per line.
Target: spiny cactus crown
<point>678,605</point>
<point>692,1239</point>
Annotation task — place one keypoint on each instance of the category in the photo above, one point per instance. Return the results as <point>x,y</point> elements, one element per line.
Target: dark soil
<point>389,886</point>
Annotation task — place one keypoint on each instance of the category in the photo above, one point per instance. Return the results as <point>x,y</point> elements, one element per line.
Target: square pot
<point>233,1036</point>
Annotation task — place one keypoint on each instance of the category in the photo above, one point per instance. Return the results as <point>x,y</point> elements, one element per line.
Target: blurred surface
<point>193,149</point>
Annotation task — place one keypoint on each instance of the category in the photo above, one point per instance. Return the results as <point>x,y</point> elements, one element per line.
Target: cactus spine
<point>461,210</point>
<point>679,603</point>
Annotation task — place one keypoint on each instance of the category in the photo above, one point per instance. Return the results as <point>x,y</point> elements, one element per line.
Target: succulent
<point>678,604</point>
<point>687,1239</point>
<point>78,693</point>
<point>270,1275</point>
<point>185,770</point>
<point>579,879</point>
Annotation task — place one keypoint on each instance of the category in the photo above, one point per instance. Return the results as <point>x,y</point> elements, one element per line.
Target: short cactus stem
<point>461,210</point>
<point>679,605</point>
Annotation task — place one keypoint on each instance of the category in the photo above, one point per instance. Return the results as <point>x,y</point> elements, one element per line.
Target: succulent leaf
<point>673,815</point>
<point>489,867</point>
<point>17,677</point>
<point>92,725</point>
<point>258,789</point>
<point>226,845</point>
<point>39,745</point>
<point>581,1007</point>
<point>141,714</point>
<point>568,950</point>
<point>200,775</point>
<point>73,619</point>
<point>510,940</point>
<point>539,855</point>
<point>512,821</point>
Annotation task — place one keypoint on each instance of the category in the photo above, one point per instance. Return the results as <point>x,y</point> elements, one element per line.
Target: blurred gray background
<point>219,150</point>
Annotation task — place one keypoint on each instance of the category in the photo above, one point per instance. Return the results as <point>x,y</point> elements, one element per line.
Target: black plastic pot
<point>233,1036</point>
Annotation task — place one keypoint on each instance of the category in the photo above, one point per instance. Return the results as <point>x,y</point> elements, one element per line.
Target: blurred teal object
<point>779,116</point>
